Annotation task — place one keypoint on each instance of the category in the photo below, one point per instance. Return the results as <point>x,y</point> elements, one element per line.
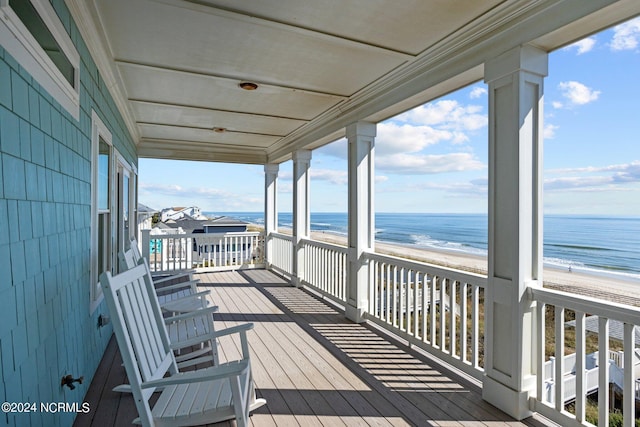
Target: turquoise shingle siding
<point>46,329</point>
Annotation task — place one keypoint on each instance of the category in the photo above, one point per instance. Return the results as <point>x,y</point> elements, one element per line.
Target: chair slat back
<point>138,324</point>
<point>135,250</point>
<point>127,259</point>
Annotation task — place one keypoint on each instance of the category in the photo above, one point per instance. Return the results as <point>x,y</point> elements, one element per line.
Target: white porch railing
<point>400,296</point>
<point>325,269</point>
<point>441,311</point>
<point>202,251</point>
<point>433,308</point>
<point>553,405</point>
<point>281,256</point>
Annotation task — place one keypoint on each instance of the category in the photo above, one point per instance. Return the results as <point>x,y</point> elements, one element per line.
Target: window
<point>102,258</point>
<point>125,201</point>
<point>33,34</point>
<point>104,207</point>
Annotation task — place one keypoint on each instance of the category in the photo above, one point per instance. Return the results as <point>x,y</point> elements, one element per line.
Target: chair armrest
<point>214,335</point>
<point>223,371</point>
<point>196,295</point>
<point>234,330</point>
<point>198,313</point>
<point>177,286</point>
<point>172,277</point>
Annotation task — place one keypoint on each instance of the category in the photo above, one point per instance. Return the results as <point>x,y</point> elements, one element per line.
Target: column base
<point>514,403</point>
<point>354,314</point>
<point>297,282</point>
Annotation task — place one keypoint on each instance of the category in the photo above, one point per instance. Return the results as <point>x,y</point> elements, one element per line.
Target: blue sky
<point>434,158</point>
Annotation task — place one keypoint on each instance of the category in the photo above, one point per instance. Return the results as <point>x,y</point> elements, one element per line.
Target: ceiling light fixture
<point>248,86</point>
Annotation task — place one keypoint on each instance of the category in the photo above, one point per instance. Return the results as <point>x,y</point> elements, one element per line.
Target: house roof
<point>145,209</point>
<point>319,65</point>
<point>224,221</point>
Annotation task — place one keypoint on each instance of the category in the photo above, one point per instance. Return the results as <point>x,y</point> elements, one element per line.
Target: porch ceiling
<point>174,66</point>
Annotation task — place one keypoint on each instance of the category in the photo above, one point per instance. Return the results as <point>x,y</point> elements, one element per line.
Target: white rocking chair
<point>180,297</point>
<point>210,395</point>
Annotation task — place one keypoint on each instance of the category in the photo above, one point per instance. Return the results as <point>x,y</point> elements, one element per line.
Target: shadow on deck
<point>315,367</point>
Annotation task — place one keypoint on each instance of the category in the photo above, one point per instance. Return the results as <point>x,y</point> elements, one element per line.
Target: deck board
<point>316,368</point>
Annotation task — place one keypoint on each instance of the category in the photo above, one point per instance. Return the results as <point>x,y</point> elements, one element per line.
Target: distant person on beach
<point>569,269</point>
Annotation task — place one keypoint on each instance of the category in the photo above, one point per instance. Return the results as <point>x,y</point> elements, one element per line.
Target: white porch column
<point>515,226</point>
<point>270,208</point>
<point>301,219</point>
<point>360,136</point>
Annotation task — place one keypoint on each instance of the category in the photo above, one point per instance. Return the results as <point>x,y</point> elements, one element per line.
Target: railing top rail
<point>610,310</point>
<point>326,245</point>
<point>459,275</point>
<point>281,236</point>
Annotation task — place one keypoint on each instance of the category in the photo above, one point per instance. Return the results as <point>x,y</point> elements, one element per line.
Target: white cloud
<point>612,177</point>
<point>577,93</point>
<point>425,164</point>
<point>338,177</point>
<point>401,142</point>
<point>395,138</point>
<point>583,46</point>
<point>626,36</point>
<point>209,198</point>
<point>179,191</point>
<point>573,183</point>
<point>633,166</point>
<point>477,92</point>
<point>549,131</point>
<point>446,114</point>
<point>473,189</point>
<point>334,176</point>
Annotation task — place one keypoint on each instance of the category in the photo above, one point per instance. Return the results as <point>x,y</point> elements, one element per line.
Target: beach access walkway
<point>314,367</point>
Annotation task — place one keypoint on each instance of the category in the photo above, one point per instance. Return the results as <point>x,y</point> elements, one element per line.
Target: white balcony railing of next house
<point>203,251</point>
<point>589,372</point>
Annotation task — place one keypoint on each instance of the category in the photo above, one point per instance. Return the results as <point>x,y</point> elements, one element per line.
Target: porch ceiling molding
<point>359,73</point>
<point>186,150</point>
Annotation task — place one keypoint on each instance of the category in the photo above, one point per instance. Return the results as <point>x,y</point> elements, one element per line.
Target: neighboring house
<point>176,213</point>
<point>220,224</point>
<point>217,226</point>
<point>145,218</point>
<point>225,224</point>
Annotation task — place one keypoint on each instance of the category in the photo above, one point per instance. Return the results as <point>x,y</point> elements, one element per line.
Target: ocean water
<point>594,244</point>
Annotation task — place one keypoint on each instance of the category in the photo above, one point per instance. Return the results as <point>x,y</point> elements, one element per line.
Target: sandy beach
<point>598,286</point>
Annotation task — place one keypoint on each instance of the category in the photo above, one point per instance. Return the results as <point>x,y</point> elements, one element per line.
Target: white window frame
<point>16,39</point>
<point>124,168</point>
<point>99,131</point>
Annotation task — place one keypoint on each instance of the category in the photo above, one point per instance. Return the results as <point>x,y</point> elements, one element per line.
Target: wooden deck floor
<point>315,368</point>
